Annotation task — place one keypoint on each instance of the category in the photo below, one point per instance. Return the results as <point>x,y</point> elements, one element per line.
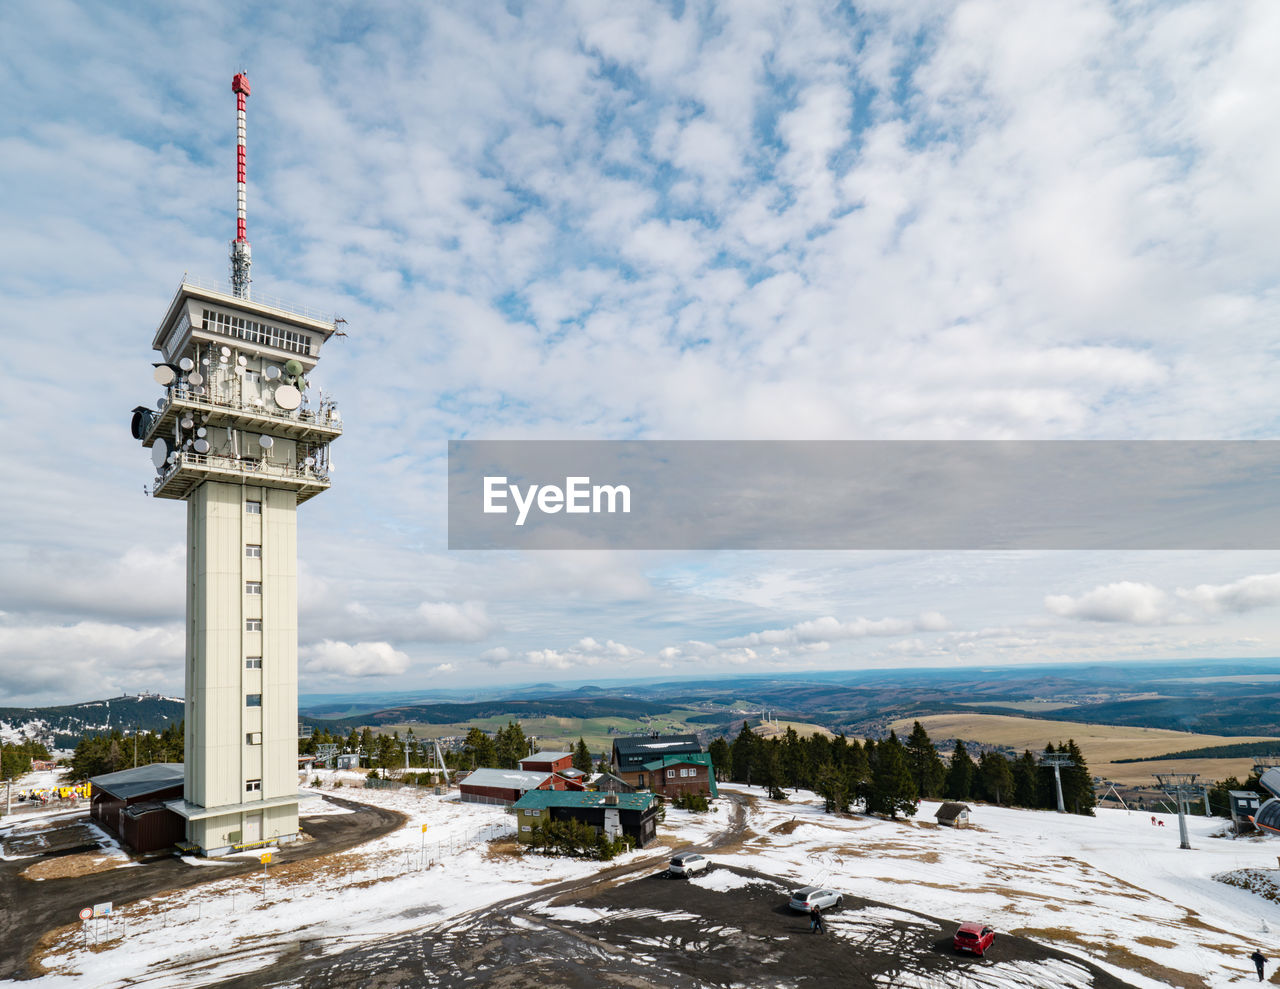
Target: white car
<point>807,897</point>
<point>688,864</point>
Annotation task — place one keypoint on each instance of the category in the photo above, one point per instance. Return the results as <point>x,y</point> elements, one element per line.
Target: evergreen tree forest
<point>109,752</point>
<point>889,776</point>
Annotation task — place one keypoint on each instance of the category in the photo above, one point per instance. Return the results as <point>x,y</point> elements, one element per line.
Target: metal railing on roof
<point>262,467</point>
<point>261,298</point>
<point>324,415</point>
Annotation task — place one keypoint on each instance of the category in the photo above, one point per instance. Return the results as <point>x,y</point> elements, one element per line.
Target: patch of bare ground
<point>786,827</point>
<point>65,866</point>
<point>1117,955</point>
<point>501,849</point>
<point>1155,942</point>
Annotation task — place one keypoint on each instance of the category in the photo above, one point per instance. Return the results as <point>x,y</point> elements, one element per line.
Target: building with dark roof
<point>613,814</point>
<point>630,754</point>
<point>131,805</point>
<point>953,815</point>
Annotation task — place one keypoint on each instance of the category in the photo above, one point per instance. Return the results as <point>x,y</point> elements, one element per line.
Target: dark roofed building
<point>130,804</point>
<point>953,815</point>
<point>614,814</point>
<point>630,754</point>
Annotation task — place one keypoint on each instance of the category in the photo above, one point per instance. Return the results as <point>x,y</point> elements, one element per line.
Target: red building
<point>547,762</point>
<point>505,786</point>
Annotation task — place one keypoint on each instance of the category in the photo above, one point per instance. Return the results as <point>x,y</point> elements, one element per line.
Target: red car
<point>974,938</point>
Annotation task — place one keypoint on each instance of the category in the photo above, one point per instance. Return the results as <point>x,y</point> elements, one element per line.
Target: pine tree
<point>829,785</point>
<point>1077,784</point>
<point>995,776</point>
<point>720,760</point>
<point>582,756</point>
<point>893,791</point>
<point>924,762</point>
<point>478,750</point>
<point>960,773</point>
<point>743,754</point>
<point>1025,780</point>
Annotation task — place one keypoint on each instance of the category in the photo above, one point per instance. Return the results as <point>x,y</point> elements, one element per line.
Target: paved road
<point>29,909</point>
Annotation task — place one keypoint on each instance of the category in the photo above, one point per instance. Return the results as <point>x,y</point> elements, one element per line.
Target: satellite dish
<point>202,431</point>
<point>163,374</point>
<point>204,361</point>
<point>238,368</point>
<point>195,378</point>
<point>225,351</point>
<point>293,367</point>
<point>266,442</point>
<point>172,458</point>
<point>224,360</point>
<point>188,422</point>
<point>272,373</point>
<point>335,415</point>
<point>258,402</point>
<point>288,397</point>
<point>141,422</point>
<point>160,404</point>
<point>186,364</point>
<point>160,453</point>
<point>202,446</point>
<point>199,389</point>
<point>242,360</point>
<point>310,461</point>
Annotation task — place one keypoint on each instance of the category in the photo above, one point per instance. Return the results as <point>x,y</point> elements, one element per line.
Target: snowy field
<point>1113,889</point>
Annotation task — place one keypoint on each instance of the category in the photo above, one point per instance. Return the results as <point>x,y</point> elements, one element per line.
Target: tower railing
<point>263,467</point>
<point>258,298</point>
<point>322,416</point>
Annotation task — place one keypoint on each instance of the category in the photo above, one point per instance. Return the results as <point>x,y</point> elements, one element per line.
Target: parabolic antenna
<point>163,374</point>
<point>202,431</point>
<point>293,367</point>
<point>242,360</point>
<point>195,378</point>
<point>186,364</point>
<point>335,415</point>
<point>188,422</point>
<point>224,360</point>
<point>141,423</point>
<point>310,461</point>
<point>204,361</point>
<point>225,351</point>
<point>238,368</point>
<point>201,446</point>
<point>288,397</point>
<point>161,403</point>
<point>160,453</point>
<point>272,373</point>
<point>266,442</point>
<point>198,389</point>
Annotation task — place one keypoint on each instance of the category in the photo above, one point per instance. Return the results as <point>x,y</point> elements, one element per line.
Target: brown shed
<point>953,815</point>
<point>130,805</point>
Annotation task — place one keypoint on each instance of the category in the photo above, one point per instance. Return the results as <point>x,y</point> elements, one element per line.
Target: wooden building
<point>131,805</point>
<point>953,815</point>
<point>614,814</point>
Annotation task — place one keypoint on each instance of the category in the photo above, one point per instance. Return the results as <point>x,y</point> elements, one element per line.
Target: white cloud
<point>1124,601</point>
<point>1238,597</point>
<point>446,622</point>
<point>353,659</point>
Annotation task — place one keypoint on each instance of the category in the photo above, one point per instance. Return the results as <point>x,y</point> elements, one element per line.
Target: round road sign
<point>86,913</point>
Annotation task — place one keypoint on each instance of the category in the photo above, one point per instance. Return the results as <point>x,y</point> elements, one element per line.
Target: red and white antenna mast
<point>241,255</point>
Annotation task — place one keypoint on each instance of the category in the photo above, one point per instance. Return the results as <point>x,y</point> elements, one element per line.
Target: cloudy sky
<point>752,220</point>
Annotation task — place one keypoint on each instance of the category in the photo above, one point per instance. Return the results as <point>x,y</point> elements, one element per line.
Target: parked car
<point>808,897</point>
<point>974,938</point>
<point>687,864</point>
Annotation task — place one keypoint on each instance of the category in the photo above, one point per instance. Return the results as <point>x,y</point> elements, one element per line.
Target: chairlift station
<point>241,437</point>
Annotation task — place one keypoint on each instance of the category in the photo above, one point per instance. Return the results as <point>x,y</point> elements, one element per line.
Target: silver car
<point>687,863</point>
<point>808,897</point>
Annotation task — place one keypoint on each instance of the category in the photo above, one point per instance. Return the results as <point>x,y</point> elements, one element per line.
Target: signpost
<point>422,850</point>
<point>86,913</point>
<point>265,859</point>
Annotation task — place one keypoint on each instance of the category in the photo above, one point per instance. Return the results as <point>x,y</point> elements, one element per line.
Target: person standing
<point>1259,961</point>
<point>815,920</point>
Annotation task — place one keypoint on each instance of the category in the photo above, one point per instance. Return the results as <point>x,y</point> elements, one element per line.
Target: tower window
<point>253,663</point>
<point>253,624</point>
<point>253,786</point>
<point>253,507</point>
<point>253,551</point>
<point>253,587</point>
<point>253,738</point>
<point>253,700</point>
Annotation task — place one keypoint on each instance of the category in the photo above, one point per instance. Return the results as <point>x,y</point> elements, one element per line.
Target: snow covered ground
<point>1113,888</point>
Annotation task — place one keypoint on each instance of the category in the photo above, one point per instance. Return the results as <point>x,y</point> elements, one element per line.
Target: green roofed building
<point>691,772</point>
<point>614,814</point>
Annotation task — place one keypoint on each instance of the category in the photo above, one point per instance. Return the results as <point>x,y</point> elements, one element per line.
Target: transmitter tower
<point>240,437</point>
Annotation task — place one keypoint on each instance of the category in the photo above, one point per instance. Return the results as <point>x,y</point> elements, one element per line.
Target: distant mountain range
<point>62,727</point>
